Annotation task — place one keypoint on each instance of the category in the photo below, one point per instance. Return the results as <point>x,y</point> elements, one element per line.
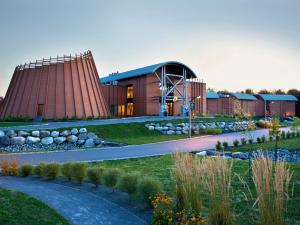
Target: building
<point>160,89</point>
<point>58,87</point>
<point>276,105</point>
<point>255,105</point>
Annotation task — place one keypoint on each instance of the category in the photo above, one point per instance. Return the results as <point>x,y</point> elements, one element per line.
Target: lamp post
<point>192,105</point>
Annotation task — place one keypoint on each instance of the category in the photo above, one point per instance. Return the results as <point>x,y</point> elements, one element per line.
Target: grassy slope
<point>160,167</point>
<point>18,208</point>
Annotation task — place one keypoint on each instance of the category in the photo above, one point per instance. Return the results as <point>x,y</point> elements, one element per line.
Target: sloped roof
<point>242,96</point>
<point>145,70</point>
<point>270,97</point>
<point>212,95</point>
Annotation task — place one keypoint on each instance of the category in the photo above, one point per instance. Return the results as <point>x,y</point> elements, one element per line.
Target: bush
<point>270,138</point>
<point>78,171</point>
<point>110,176</point>
<point>50,170</point>
<point>211,131</point>
<point>66,170</point>
<point>283,134</point>
<point>263,124</point>
<point>94,175</point>
<point>128,182</point>
<point>225,145</point>
<point>236,143</point>
<point>263,139</point>
<point>148,187</point>
<point>9,167</point>
<point>293,134</point>
<point>258,140</point>
<point>26,170</point>
<point>218,146</point>
<point>288,135</point>
<point>243,141</point>
<point>37,170</point>
<point>250,141</point>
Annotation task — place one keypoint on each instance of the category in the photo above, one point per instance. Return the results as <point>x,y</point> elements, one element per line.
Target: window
<point>121,110</point>
<point>129,91</point>
<point>130,109</point>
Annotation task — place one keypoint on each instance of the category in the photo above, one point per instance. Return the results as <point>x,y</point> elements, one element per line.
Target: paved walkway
<point>132,151</point>
<point>57,125</point>
<point>80,206</point>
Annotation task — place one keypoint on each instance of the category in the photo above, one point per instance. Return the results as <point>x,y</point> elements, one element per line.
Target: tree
<point>264,91</point>
<point>279,92</point>
<point>296,93</point>
<point>249,91</point>
<point>295,126</point>
<point>274,132</point>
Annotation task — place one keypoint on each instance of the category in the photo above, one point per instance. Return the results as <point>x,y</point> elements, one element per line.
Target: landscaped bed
<point>18,208</point>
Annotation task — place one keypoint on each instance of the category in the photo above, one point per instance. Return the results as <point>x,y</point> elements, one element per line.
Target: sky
<point>230,44</point>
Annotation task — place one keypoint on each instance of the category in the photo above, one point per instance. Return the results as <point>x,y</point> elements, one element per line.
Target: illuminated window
<point>121,110</point>
<point>130,91</point>
<point>130,109</point>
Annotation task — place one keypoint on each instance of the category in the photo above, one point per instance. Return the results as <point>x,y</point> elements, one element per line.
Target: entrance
<point>40,110</point>
<point>170,110</point>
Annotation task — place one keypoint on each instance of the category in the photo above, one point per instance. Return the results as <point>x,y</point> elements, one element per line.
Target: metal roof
<point>212,95</point>
<point>242,96</point>
<point>270,97</point>
<point>145,70</point>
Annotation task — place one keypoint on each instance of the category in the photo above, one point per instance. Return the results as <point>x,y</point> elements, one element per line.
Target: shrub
<point>163,210</point>
<point>272,188</point>
<point>250,141</point>
<point>78,171</point>
<point>263,124</point>
<point>293,134</point>
<point>263,139</point>
<point>270,138</point>
<point>37,170</point>
<point>66,170</point>
<point>236,143</point>
<point>225,145</point>
<point>258,139</point>
<point>94,175</point>
<point>211,131</point>
<point>243,141</point>
<point>288,135</point>
<point>9,167</point>
<point>148,187</point>
<point>219,146</point>
<point>110,177</point>
<point>26,170</point>
<point>128,182</point>
<point>50,170</point>
<point>283,134</point>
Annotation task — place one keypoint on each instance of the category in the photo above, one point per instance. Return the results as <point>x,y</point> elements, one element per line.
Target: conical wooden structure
<point>59,87</point>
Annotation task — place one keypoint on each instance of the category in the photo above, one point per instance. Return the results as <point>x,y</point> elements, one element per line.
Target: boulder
<point>72,138</point>
<point>32,140</point>
<point>178,132</point>
<point>74,131</point>
<point>178,128</point>
<point>151,127</point>
<point>202,153</point>
<point>82,136</point>
<point>185,132</point>
<point>82,130</point>
<point>17,140</point>
<point>4,140</point>
<point>81,142</point>
<point>47,140</point>
<point>89,143</point>
<point>98,141</point>
<point>59,140</point>
<point>169,124</point>
<point>23,133</point>
<point>11,133</point>
<point>170,132</point>
<point>65,133</point>
<point>239,155</point>
<point>35,133</point>
<point>158,128</point>
<point>165,128</point>
<point>44,133</point>
<point>2,134</point>
<point>91,135</point>
<point>54,134</point>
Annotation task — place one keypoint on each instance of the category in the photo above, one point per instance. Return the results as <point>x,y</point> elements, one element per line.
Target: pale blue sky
<point>231,44</point>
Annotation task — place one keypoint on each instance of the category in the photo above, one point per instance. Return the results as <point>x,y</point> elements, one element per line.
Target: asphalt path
<point>132,151</point>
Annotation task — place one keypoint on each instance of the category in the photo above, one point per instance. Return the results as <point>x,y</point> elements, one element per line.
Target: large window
<point>129,91</point>
<point>130,109</point>
<point>121,110</point>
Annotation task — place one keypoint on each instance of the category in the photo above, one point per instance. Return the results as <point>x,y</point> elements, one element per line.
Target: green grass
<point>13,124</point>
<point>160,167</point>
<point>18,208</point>
<point>292,144</point>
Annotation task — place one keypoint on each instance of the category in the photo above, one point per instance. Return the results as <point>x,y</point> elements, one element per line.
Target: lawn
<point>18,208</point>
<point>160,167</point>
<point>13,124</point>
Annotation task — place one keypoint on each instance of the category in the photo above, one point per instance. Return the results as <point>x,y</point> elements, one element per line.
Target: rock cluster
<point>282,154</point>
<point>12,140</point>
<point>197,127</point>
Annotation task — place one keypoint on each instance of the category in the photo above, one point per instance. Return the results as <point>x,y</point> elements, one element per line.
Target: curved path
<point>132,151</point>
<point>79,205</point>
